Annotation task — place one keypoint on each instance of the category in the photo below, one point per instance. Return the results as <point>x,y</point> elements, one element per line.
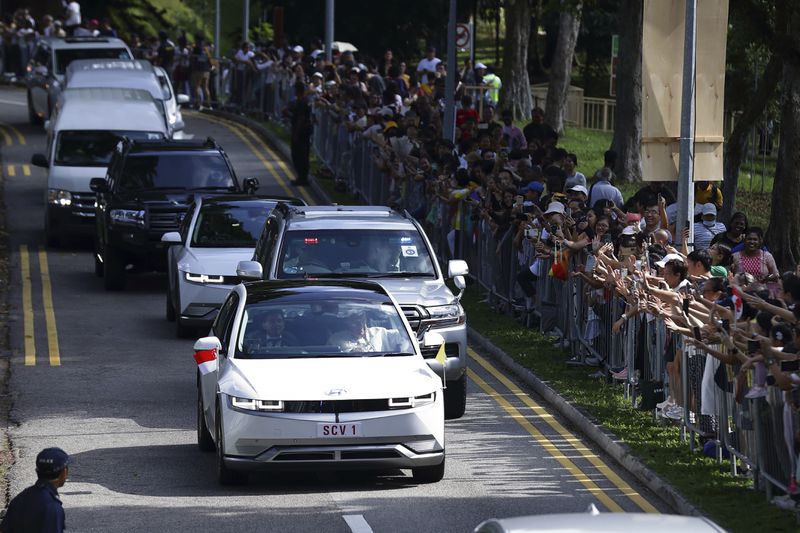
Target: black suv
<point>146,193</point>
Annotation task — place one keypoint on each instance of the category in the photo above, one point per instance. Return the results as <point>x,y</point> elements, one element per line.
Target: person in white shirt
<point>427,65</point>
<point>707,228</point>
<point>72,16</point>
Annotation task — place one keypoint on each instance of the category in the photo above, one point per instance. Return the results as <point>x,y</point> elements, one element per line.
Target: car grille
<point>336,406</point>
<point>165,220</point>
<point>450,349</point>
<point>414,314</point>
<point>83,204</point>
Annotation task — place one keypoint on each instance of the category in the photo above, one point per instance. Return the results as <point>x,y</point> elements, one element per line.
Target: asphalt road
<point>112,385</point>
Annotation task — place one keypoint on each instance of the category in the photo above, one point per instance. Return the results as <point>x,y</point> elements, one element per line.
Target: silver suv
<point>380,244</point>
<point>48,66</point>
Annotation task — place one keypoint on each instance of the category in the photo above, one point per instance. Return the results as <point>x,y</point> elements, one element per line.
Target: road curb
<point>271,139</point>
<point>605,440</point>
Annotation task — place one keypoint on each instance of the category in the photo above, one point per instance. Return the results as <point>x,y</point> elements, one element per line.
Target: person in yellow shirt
<point>707,192</point>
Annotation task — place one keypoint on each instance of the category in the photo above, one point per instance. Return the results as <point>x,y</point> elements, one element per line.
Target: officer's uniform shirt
<point>36,509</point>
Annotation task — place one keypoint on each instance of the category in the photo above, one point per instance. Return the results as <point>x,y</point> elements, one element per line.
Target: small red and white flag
<point>738,304</point>
<point>206,360</point>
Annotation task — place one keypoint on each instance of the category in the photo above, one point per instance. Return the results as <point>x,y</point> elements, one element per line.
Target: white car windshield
<point>354,253</point>
<point>230,224</point>
<point>286,328</point>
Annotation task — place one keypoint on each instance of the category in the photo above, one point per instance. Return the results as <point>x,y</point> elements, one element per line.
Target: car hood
<point>178,199</point>
<point>353,378</point>
<point>213,261</point>
<point>416,291</point>
<point>73,179</point>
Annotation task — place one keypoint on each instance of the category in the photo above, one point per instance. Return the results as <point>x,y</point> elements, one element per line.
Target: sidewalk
<point>603,439</point>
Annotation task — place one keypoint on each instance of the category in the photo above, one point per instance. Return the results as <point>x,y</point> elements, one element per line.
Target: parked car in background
<point>216,233</point>
<point>47,68</point>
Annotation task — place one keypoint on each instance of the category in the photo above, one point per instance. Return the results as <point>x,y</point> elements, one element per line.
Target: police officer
<point>38,509</point>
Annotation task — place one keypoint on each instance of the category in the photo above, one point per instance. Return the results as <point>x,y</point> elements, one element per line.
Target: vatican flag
<point>441,358</point>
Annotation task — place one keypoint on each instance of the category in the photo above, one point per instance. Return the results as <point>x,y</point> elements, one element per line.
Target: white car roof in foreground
<point>601,523</point>
<point>110,110</point>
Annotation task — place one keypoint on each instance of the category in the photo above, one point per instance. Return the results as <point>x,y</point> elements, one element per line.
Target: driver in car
<point>270,334</point>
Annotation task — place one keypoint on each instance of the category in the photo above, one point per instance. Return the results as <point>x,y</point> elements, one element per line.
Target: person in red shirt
<point>466,111</point>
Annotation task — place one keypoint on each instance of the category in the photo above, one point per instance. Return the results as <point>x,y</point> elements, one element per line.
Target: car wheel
<point>33,117</point>
<point>225,475</point>
<point>428,474</point>
<point>204,440</point>
<point>170,307</point>
<point>455,398</point>
<point>182,331</point>
<point>113,270</point>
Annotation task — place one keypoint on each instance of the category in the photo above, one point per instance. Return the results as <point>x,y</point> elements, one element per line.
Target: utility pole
<point>686,161</point>
<point>246,21</point>
<point>329,30</point>
<point>449,126</point>
<point>217,46</point>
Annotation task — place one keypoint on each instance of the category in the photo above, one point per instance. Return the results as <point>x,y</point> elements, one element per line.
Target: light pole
<point>449,125</point>
<point>329,6</point>
<point>686,161</point>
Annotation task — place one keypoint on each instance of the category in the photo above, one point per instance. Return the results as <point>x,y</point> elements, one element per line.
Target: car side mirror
<point>182,99</point>
<point>207,343</point>
<point>172,237</point>
<point>179,125</point>
<point>457,267</point>
<point>205,353</point>
<point>39,160</point>
<point>98,185</point>
<point>432,338</point>
<point>250,185</point>
<point>249,270</point>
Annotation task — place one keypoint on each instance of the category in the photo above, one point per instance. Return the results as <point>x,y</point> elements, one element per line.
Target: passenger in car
<point>357,336</point>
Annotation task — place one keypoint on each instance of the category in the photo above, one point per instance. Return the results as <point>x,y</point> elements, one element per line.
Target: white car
<point>216,233</point>
<point>317,374</point>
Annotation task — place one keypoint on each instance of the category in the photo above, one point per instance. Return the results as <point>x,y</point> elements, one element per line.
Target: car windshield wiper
<point>392,354</point>
<point>215,188</point>
<point>401,275</point>
<point>163,188</point>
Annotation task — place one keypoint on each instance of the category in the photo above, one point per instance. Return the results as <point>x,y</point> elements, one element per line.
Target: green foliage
<point>727,500</point>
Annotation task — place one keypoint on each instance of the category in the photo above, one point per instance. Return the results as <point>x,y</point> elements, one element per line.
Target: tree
<point>561,69</point>
<point>628,117</point>
<point>516,91</point>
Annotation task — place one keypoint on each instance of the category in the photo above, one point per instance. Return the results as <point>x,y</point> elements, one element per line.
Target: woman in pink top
<point>753,260</point>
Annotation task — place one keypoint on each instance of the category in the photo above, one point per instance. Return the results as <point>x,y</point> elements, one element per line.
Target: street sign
<point>612,89</point>
<point>463,37</point>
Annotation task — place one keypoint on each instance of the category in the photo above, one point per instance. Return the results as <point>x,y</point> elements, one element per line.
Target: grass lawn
<point>727,500</point>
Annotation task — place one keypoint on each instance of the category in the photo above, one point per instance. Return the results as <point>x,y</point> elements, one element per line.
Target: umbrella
<point>343,46</point>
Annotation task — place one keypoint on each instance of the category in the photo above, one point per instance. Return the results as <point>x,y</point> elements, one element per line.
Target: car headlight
<point>249,404</point>
<point>451,314</point>
<point>204,278</point>
<point>412,401</point>
<point>131,217</point>
<point>59,197</point>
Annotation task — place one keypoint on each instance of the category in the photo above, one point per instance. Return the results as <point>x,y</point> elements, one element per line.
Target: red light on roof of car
<point>311,240</point>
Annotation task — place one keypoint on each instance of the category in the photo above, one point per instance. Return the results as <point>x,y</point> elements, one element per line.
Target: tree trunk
<point>516,91</point>
<point>535,67</point>
<point>737,141</point>
<point>561,70</point>
<point>783,234</point>
<point>628,116</point>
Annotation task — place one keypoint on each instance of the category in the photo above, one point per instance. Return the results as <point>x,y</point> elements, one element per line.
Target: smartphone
<point>591,262</point>
<point>518,200</point>
<point>686,305</point>
<point>568,211</point>
<point>532,233</point>
<point>753,347</point>
<point>696,332</point>
<point>726,325</point>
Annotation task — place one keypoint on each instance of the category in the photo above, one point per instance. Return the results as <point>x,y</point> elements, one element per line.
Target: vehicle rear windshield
<point>68,55</point>
<point>230,224</point>
<point>326,327</point>
<point>182,171</point>
<point>354,253</point>
<point>88,148</point>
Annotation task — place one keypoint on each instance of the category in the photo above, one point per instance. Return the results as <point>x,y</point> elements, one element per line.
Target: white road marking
<point>12,102</point>
<point>357,523</point>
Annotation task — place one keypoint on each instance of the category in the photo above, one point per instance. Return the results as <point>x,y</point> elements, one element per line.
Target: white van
<point>86,125</point>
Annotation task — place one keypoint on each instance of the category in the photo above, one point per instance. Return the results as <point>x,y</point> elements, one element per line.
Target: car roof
<point>603,522</point>
<point>120,73</point>
<point>347,217</point>
<point>258,291</point>
<point>227,198</point>
<point>109,109</point>
<point>58,43</point>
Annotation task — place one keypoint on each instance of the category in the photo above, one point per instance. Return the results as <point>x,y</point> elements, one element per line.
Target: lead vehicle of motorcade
<point>382,245</point>
<point>317,374</point>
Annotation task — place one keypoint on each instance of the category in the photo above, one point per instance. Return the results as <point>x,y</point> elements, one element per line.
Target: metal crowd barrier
<point>750,432</point>
<point>260,93</point>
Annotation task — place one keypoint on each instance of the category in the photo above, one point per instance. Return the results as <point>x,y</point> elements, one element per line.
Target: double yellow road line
<point>47,306</point>
<point>258,147</point>
<point>574,442</point>
<point>11,170</point>
<point>10,133</point>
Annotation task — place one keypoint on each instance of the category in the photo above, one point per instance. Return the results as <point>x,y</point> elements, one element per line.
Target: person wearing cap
<point>38,508</point>
<point>533,193</point>
<point>579,193</point>
<point>494,83</point>
<point>708,227</point>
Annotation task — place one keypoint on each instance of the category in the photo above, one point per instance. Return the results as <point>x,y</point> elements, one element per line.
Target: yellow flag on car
<point>441,358</point>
